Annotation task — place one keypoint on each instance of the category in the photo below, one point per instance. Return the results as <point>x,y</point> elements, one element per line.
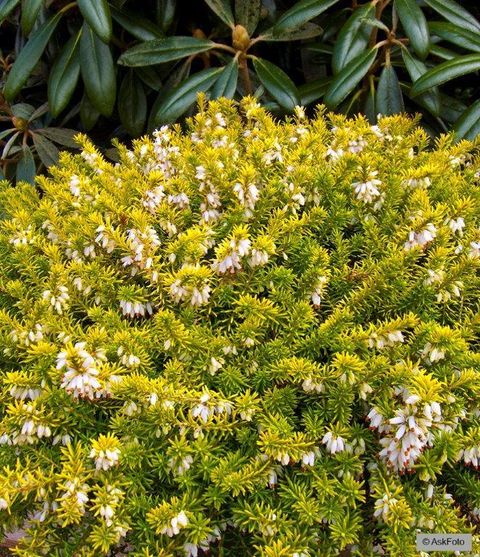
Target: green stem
<point>221,46</point>
<point>67,7</point>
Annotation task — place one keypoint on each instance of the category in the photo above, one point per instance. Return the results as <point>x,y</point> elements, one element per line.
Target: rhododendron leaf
<point>464,38</point>
<point>226,84</point>
<point>446,71</point>
<point>6,7</point>
<point>132,104</point>
<point>353,37</point>
<point>28,57</point>
<point>62,136</point>
<point>415,25</point>
<point>139,27</point>
<point>455,13</point>
<point>306,31</point>
<point>98,72</point>
<point>223,10</point>
<point>300,13</point>
<point>277,83</point>
<point>247,13</point>
<point>416,68</point>
<point>349,77</point>
<point>160,51</point>
<point>370,107</point>
<point>468,125</point>
<point>46,150</point>
<point>89,115</point>
<point>451,108</point>
<point>171,106</point>
<point>30,10</point>
<point>26,166</point>
<point>165,13</point>
<point>442,52</point>
<point>313,90</point>
<point>64,76</point>
<point>149,76</point>
<point>389,98</point>
<point>97,15</point>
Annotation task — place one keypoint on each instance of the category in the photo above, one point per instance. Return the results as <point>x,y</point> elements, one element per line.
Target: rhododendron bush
<point>245,338</point>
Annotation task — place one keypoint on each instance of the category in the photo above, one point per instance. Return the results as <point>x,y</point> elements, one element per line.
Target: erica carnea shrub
<point>245,338</point>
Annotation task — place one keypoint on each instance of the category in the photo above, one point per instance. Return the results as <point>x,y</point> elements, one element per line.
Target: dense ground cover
<point>250,336</point>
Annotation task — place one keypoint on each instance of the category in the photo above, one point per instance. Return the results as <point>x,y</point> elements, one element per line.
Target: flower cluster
<point>189,287</point>
<point>152,198</point>
<point>316,297</point>
<point>164,153</point>
<point>471,456</point>
<point>135,308</point>
<point>470,453</point>
<point>432,353</point>
<point>81,375</point>
<point>75,494</point>
<point>109,498</point>
<point>21,392</point>
<point>206,409</point>
<point>103,239</point>
<point>192,549</point>
<point>180,466</point>
<point>247,196</point>
<point>174,524</point>
<point>422,238</point>
<point>31,427</point>
<point>142,246</point>
<point>388,339</point>
<point>309,385</point>
<point>420,182</point>
<point>407,433</point>
<point>235,251</point>
<point>383,506</point>
<point>105,452</point>
<point>335,443</point>
<point>58,300</point>
<point>368,192</point>
<point>474,249</point>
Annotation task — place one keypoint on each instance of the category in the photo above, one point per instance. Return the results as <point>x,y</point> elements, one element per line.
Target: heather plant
<point>245,338</point>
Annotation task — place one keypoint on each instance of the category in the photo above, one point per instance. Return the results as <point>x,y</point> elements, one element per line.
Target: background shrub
<point>117,68</point>
<point>256,337</point>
